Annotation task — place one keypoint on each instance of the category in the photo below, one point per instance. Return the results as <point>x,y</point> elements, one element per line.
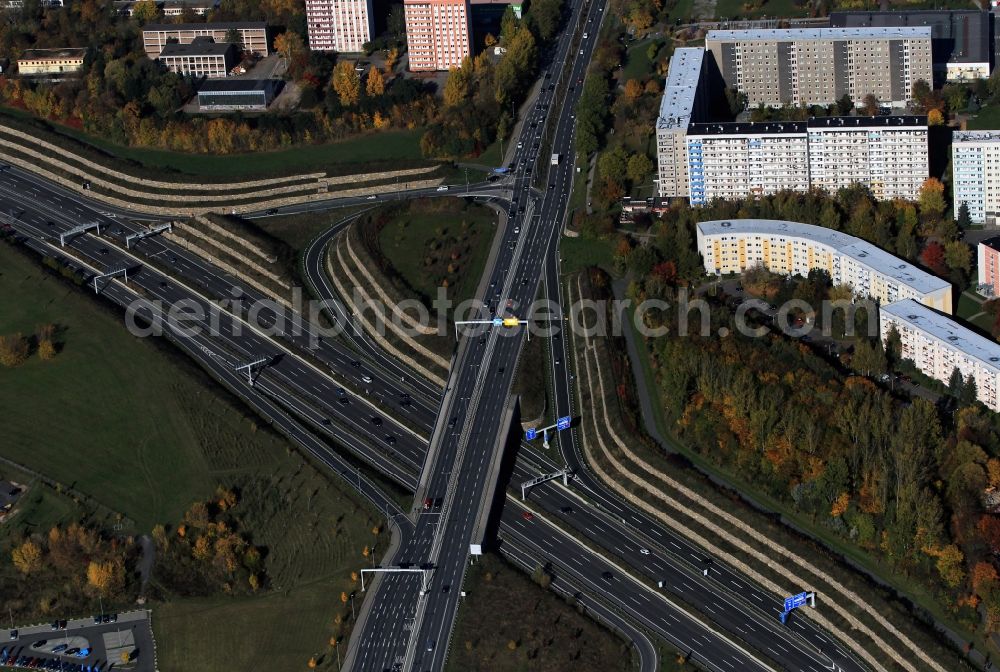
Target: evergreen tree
<point>969,392</point>
<point>955,383</point>
<point>964,218</point>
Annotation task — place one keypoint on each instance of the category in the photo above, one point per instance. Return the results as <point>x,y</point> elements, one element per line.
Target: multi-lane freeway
<point>301,388</point>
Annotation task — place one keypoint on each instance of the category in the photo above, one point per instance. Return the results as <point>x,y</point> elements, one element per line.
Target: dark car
<point>452,423</point>
<point>344,400</point>
<point>391,440</point>
<point>607,576</point>
<point>377,421</point>
<point>40,643</point>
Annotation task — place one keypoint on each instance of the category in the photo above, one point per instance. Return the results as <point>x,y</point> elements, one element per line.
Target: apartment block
<point>938,345</point>
<point>988,253</point>
<point>961,39</point>
<point>820,65</point>
<point>736,160</point>
<point>792,248</point>
<point>339,25</point>
<point>975,161</point>
<point>438,33</point>
<point>201,58</point>
<point>682,103</point>
<point>886,154</point>
<point>253,35</point>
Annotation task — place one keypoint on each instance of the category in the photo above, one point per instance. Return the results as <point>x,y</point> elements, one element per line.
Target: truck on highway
<point>555,159</point>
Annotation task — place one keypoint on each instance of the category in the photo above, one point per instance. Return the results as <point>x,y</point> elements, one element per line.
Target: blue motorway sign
<point>796,601</point>
<point>563,422</point>
<point>530,434</point>
<point>497,321</point>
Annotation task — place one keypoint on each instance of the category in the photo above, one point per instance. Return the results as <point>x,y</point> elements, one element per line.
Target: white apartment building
<point>438,33</point>
<point>937,345</point>
<point>682,103</point>
<point>736,160</point>
<point>975,164</point>
<point>339,25</point>
<point>792,248</point>
<point>886,154</point>
<point>253,35</point>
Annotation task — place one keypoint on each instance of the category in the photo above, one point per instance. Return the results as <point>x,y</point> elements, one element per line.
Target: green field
<point>988,118</point>
<point>578,253</point>
<point>637,62</point>
<point>421,243</point>
<point>504,606</point>
<point>136,427</point>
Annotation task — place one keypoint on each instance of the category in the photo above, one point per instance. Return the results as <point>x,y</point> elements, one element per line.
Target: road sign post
<point>796,601</point>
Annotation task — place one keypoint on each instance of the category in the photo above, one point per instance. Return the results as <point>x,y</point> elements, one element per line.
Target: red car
<point>528,515</point>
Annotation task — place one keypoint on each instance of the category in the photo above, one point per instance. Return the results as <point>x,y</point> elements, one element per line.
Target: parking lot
<point>94,644</point>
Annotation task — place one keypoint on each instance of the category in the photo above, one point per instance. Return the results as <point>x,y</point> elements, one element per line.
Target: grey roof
<point>894,121</point>
<point>236,84</point>
<point>960,35</point>
<point>748,128</point>
<point>800,34</point>
<point>975,136</point>
<point>200,47</point>
<point>681,88</point>
<point>222,25</point>
<point>946,330</point>
<point>863,252</point>
<point>65,52</point>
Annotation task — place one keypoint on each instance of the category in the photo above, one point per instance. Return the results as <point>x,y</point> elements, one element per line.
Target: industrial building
<point>818,66</point>
<point>792,248</point>
<point>36,62</point>
<point>253,35</point>
<point>938,345</point>
<point>201,58</point>
<point>438,33</point>
<point>339,25</point>
<point>237,94</point>
<point>962,41</point>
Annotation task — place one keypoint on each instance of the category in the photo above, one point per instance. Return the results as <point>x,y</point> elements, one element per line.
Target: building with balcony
<point>938,345</point>
<point>975,164</point>
<point>810,66</point>
<point>683,102</point>
<point>961,39</point>
<point>339,25</point>
<point>252,34</point>
<point>988,254</point>
<point>438,33</point>
<point>792,248</point>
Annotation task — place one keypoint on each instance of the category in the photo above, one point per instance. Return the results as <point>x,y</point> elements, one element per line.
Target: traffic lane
<point>649,661</point>
<point>680,576</point>
<point>652,610</point>
<point>204,275</point>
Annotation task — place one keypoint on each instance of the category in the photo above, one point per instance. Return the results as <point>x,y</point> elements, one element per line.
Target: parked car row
<point>24,658</point>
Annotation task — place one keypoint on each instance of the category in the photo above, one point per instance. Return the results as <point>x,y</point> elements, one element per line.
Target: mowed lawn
<point>110,415</point>
<point>419,244</point>
<point>128,424</point>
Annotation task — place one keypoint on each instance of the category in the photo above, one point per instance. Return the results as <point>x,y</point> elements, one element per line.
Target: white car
<point>644,551</point>
<point>585,36</point>
<point>372,197</point>
<point>442,188</point>
<point>366,379</point>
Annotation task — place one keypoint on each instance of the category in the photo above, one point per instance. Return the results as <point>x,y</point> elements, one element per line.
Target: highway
<point>270,397</point>
<point>298,391</point>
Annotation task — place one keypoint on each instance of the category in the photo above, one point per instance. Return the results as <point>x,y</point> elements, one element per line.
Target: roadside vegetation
<point>248,533</point>
<point>508,623</point>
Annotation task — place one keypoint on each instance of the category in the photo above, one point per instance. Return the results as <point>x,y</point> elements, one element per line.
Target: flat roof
<point>860,250</point>
<point>748,128</point>
<point>66,52</point>
<point>681,88</point>
<point>993,243</point>
<point>197,48</point>
<point>946,330</point>
<point>221,25</point>
<point>236,84</point>
<point>898,121</point>
<point>961,35</point>
<point>975,136</point>
<point>799,34</point>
